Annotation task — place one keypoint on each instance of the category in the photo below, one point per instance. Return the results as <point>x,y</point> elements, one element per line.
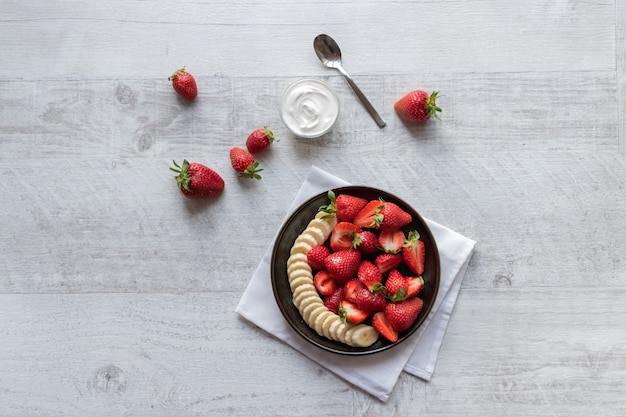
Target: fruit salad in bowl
<point>355,270</point>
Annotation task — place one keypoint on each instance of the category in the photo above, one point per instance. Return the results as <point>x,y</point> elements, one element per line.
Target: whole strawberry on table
<point>360,283</point>
<point>418,106</point>
<point>184,84</point>
<point>197,181</point>
<point>259,140</point>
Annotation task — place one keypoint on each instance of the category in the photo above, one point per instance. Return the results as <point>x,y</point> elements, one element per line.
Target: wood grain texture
<point>117,295</point>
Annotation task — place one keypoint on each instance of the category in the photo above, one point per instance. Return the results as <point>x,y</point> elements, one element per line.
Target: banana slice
<point>308,309</point>
<point>299,280</point>
<point>305,238</point>
<point>328,323</point>
<point>303,293</point>
<point>298,265</point>
<point>314,313</point>
<point>295,258</point>
<point>301,247</point>
<point>320,320</point>
<point>347,338</point>
<point>363,335</point>
<point>317,234</point>
<point>334,327</point>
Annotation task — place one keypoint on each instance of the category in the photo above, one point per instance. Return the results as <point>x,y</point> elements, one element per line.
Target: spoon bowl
<point>328,52</point>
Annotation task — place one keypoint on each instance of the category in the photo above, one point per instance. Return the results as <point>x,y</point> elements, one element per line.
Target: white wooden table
<point>117,295</point>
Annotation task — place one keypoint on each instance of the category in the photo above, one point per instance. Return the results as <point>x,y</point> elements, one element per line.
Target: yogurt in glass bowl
<point>309,108</point>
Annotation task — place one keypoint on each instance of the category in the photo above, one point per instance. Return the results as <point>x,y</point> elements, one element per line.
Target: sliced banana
<point>328,323</point>
<point>303,293</point>
<point>298,280</point>
<point>296,257</point>
<point>364,335</point>
<point>302,247</point>
<point>306,310</point>
<point>320,320</point>
<point>333,327</point>
<point>306,298</point>
<point>307,239</point>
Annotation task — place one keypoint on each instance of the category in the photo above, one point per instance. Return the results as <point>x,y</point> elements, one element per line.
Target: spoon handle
<point>372,111</point>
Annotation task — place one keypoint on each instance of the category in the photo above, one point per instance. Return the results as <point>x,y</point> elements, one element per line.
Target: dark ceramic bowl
<point>298,222</point>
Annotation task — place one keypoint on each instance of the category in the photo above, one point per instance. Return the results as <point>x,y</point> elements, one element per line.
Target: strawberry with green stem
<point>197,181</point>
<point>184,83</point>
<point>243,162</point>
<point>418,106</point>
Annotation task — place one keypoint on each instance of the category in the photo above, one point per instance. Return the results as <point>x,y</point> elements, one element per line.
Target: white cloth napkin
<point>376,373</point>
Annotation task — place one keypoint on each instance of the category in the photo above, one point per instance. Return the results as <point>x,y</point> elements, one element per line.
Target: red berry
<point>198,181</point>
<point>414,253</point>
<point>345,236</point>
<point>243,162</point>
<point>348,207</point>
<point>259,140</point>
<point>382,324</point>
<point>184,84</point>
<point>316,257</point>
<point>417,106</point>
<point>403,314</point>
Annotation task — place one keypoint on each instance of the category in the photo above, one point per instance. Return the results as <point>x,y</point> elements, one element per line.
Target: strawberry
<point>324,282</point>
<point>344,236</point>
<point>393,217</point>
<point>351,313</point>
<point>243,162</point>
<point>198,181</point>
<point>382,324</point>
<point>332,301</point>
<point>391,241</point>
<point>370,300</point>
<point>259,140</point>
<point>414,253</point>
<point>348,207</point>
<point>184,83</point>
<point>349,290</point>
<point>343,264</point>
<point>369,275</point>
<point>316,256</point>
<point>369,242</point>
<point>396,286</point>
<point>403,314</point>
<point>369,216</point>
<point>417,106</point>
<point>414,286</point>
<point>387,261</point>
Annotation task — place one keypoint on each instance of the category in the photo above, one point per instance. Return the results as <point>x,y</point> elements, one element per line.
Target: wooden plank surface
<point>117,296</point>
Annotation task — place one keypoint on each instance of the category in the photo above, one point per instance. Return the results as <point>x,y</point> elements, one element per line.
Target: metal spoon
<point>329,53</point>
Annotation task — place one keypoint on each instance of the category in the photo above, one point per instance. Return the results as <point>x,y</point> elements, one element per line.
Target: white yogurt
<point>309,108</point>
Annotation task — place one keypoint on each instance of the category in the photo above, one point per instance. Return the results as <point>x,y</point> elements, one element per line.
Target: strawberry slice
<point>391,241</point>
<point>393,217</point>
<point>345,235</point>
<point>348,206</point>
<point>370,216</point>
<point>325,283</point>
<point>387,261</point>
<point>414,286</point>
<point>351,313</point>
<point>414,253</point>
<point>349,290</point>
<point>383,326</point>
<point>343,264</point>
